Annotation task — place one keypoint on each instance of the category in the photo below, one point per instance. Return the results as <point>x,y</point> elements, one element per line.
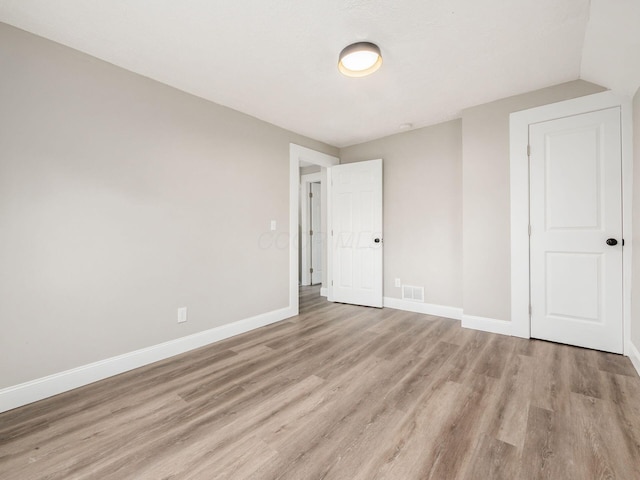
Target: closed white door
<point>315,209</point>
<point>356,208</point>
<point>576,230</point>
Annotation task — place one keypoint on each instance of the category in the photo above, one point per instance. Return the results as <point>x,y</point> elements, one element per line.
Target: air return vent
<point>414,294</point>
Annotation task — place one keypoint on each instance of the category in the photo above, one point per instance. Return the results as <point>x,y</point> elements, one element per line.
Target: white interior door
<point>356,216</point>
<point>315,208</point>
<point>576,217</point>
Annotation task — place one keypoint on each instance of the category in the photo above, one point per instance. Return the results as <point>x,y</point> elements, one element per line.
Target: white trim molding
<point>519,186</point>
<point>426,308</point>
<point>324,292</point>
<point>634,356</point>
<point>485,324</point>
<point>41,388</point>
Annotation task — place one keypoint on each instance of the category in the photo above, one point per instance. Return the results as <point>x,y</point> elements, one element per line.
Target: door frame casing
<point>305,222</point>
<point>296,154</point>
<point>520,193</point>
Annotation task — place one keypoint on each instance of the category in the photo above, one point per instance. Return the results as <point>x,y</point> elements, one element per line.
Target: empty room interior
<point>324,239</point>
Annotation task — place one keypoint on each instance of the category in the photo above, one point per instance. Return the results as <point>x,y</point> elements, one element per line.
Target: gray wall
<point>422,209</point>
<point>486,237</point>
<point>635,281</point>
<point>122,199</point>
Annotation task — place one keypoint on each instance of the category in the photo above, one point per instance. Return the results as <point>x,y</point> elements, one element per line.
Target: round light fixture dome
<point>359,59</point>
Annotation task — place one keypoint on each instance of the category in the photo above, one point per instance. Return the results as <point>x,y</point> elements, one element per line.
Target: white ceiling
<point>277,59</point>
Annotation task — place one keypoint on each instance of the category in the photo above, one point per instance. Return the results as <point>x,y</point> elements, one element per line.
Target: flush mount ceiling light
<point>359,59</point>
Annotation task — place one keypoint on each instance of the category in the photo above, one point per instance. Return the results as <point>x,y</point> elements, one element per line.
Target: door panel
<point>576,205</point>
<point>573,164</point>
<point>570,276</point>
<point>356,200</point>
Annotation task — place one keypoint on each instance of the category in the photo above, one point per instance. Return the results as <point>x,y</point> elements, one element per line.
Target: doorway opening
<point>312,230</point>
<point>303,162</point>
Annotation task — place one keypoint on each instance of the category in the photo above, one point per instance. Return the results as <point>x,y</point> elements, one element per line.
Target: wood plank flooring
<point>343,392</point>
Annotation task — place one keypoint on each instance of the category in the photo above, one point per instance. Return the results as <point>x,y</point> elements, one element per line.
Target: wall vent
<point>413,294</point>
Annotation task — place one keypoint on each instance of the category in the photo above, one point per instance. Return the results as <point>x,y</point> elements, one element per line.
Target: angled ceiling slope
<point>278,60</point>
<point>611,54</point>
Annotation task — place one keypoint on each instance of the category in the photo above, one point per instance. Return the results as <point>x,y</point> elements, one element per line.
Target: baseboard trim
<point>426,308</point>
<point>38,389</point>
<point>324,292</point>
<point>487,324</point>
<point>634,356</point>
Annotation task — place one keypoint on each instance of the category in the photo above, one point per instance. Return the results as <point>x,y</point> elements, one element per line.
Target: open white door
<point>356,233</point>
<point>576,230</point>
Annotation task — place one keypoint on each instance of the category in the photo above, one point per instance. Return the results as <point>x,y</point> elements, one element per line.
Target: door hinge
<point>332,233</point>
<point>332,283</point>
<point>310,233</point>
<point>311,270</point>
<point>529,230</point>
<point>623,242</point>
<point>528,150</point>
<point>310,194</point>
<point>530,310</point>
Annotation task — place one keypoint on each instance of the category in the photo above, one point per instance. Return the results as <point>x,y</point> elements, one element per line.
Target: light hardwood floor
<point>343,392</point>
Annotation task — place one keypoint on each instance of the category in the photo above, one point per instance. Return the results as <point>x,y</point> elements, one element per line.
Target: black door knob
<point>612,241</point>
<point>377,240</point>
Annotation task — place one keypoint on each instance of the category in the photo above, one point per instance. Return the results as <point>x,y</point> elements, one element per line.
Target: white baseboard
<point>487,324</point>
<point>634,355</point>
<point>34,390</point>
<point>324,292</point>
<point>426,308</point>
<point>468,321</point>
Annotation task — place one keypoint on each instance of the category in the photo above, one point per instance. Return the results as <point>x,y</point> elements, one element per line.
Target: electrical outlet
<point>398,283</point>
<point>273,225</point>
<point>182,314</point>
